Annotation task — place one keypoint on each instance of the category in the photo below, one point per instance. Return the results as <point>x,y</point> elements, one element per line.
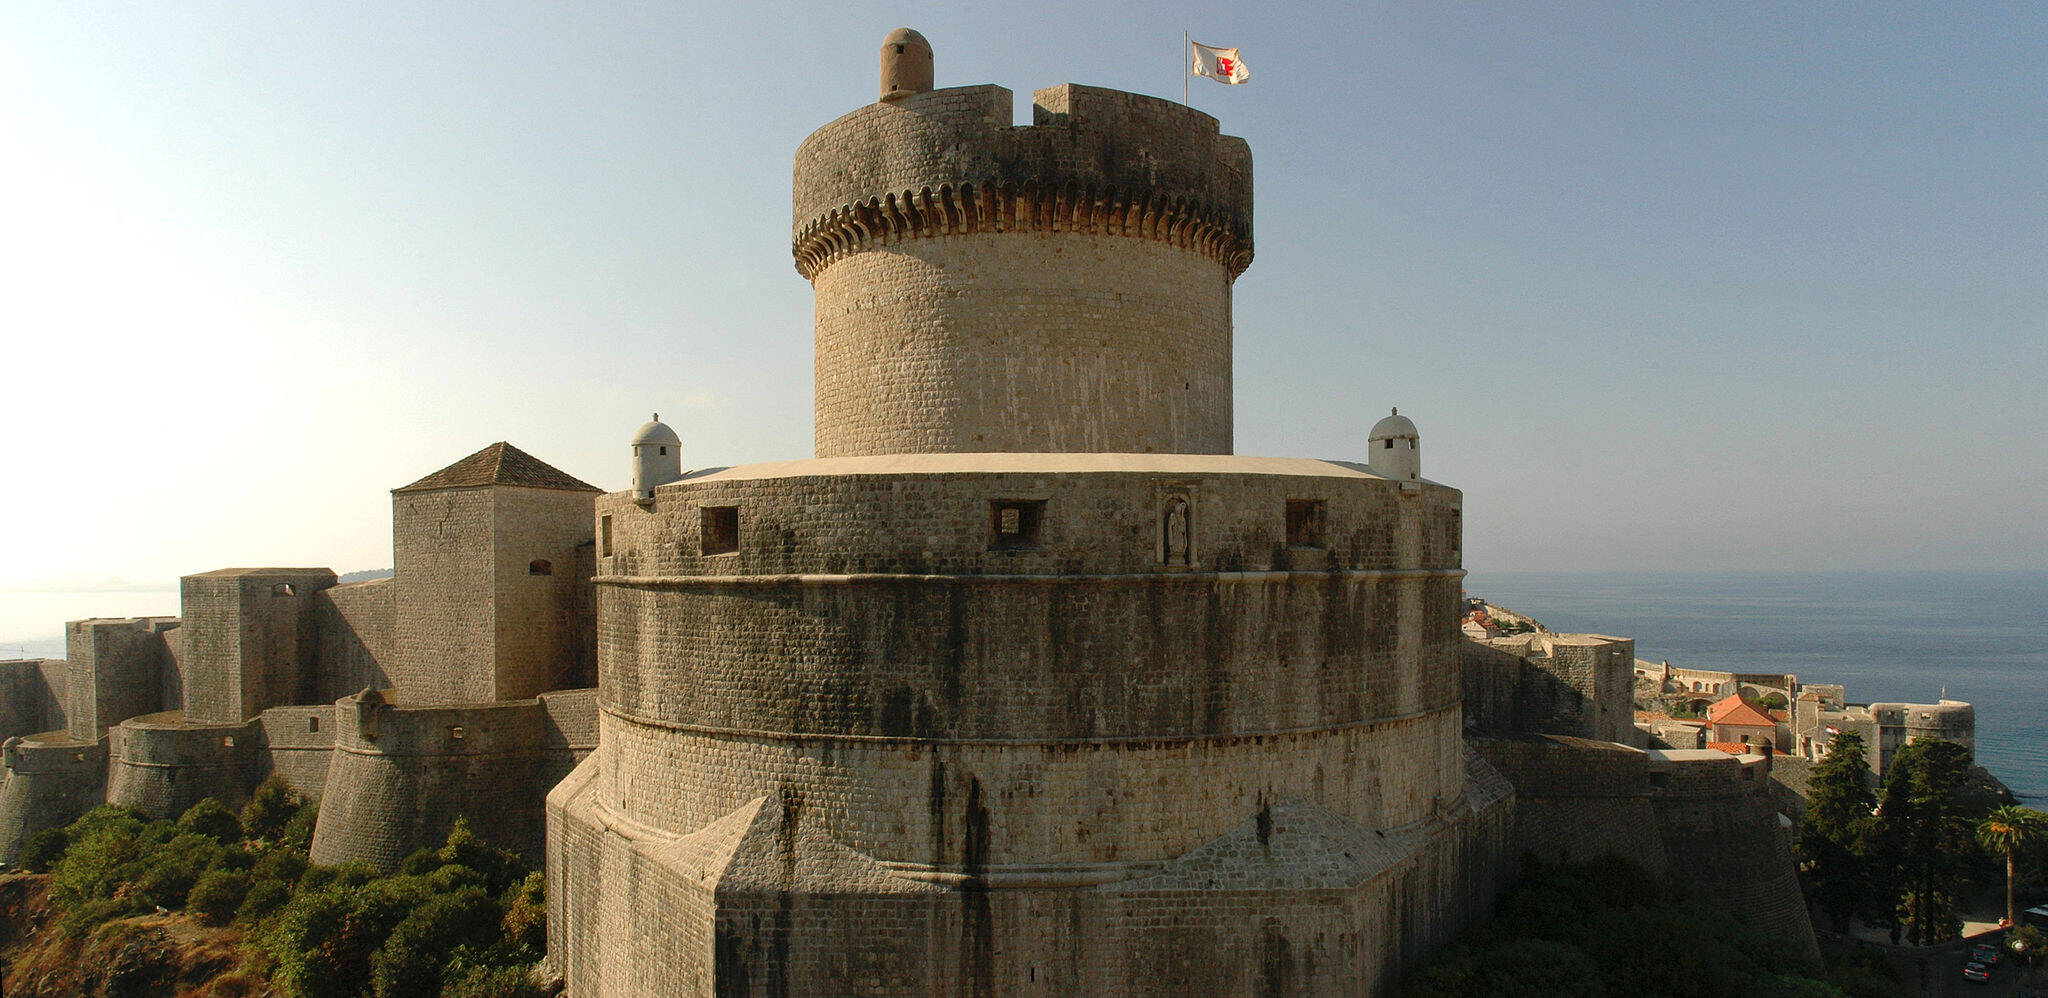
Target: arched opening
<point>540,566</point>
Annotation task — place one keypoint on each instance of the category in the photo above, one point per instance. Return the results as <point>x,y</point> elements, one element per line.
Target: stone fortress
<point>461,686</point>
<point>1025,684</point>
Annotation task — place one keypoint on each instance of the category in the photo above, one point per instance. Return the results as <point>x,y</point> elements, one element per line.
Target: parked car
<point>1977,972</point>
<point>1987,954</point>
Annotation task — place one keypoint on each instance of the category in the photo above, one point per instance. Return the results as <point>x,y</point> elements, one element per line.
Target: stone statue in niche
<point>1176,528</point>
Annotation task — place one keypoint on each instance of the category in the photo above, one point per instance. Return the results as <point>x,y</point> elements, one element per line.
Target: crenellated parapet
<point>948,162</point>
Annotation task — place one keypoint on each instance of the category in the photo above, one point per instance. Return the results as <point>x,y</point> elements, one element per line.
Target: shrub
<point>298,832</point>
<point>283,865</point>
<point>409,963</point>
<point>526,913</point>
<point>477,981</point>
<point>43,850</point>
<point>271,809</point>
<point>265,897</point>
<point>170,870</point>
<point>82,918</point>
<point>216,897</point>
<point>212,819</point>
<point>105,853</point>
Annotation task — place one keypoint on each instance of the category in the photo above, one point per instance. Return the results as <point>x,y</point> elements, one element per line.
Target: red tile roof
<point>1739,712</point>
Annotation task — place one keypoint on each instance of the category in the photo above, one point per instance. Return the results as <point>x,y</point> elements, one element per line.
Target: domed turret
<point>906,64</point>
<point>1396,449</point>
<point>657,457</point>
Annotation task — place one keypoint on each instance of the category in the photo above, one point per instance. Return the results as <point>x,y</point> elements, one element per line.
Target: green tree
<point>2005,832</point>
<point>1834,840</point>
<point>1925,835</point>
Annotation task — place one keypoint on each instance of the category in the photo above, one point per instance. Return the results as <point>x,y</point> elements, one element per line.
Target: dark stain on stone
<point>1276,967</point>
<point>954,659</point>
<point>899,705</point>
<point>977,923</point>
<point>730,971</point>
<point>1216,663</point>
<point>935,802</point>
<point>1264,823</point>
<point>778,984</point>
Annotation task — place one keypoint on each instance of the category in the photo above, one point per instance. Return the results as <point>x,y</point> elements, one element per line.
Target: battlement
<point>1093,160</point>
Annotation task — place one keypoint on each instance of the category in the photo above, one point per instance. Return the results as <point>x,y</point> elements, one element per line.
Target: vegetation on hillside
<point>1608,929</point>
<point>465,920</point>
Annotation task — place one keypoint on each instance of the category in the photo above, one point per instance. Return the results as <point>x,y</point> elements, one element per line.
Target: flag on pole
<point>1221,65</point>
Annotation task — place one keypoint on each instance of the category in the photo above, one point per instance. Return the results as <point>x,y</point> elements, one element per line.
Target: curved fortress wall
<point>1062,286</point>
<point>402,774</point>
<point>1199,724</point>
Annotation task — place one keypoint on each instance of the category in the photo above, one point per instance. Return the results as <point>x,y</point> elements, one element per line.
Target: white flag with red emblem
<point>1221,65</point>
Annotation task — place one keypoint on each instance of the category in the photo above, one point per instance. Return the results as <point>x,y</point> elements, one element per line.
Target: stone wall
<point>542,609</point>
<point>1175,722</point>
<point>31,696</point>
<point>355,621</point>
<point>402,774</point>
<point>251,640</point>
<point>298,744</point>
<point>1704,818</point>
<point>117,671</point>
<point>1563,684</point>
<point>445,628</point>
<point>160,764</point>
<point>50,781</point>
<point>1290,899</point>
<point>490,600</point>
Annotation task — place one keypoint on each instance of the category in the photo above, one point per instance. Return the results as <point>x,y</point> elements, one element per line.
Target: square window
<point>721,529</point>
<point>1014,524</point>
<point>1304,523</point>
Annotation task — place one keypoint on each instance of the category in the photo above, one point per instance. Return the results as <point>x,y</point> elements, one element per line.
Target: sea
<point>1886,636</point>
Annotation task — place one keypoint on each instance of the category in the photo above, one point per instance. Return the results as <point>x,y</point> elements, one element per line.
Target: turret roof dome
<point>654,431</point>
<point>1396,426</point>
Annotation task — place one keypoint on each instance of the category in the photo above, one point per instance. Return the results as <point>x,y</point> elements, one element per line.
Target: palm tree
<point>2007,830</point>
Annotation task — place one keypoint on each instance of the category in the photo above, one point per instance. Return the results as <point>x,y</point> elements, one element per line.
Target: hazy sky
<point>1675,286</point>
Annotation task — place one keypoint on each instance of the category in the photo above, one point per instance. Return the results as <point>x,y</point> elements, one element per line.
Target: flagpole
<point>1187,45</point>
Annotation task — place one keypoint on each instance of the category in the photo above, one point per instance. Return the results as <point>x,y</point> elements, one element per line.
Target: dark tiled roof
<point>500,464</point>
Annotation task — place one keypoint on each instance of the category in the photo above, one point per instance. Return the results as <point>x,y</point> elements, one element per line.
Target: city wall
<point>402,774</point>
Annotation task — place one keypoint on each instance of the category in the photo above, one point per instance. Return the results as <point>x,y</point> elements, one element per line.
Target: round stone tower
<point>986,699</point>
<point>1061,286</point>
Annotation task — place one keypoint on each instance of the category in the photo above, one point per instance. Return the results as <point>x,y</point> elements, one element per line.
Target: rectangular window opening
<point>604,535</point>
<point>1014,524</point>
<point>455,732</point>
<point>721,529</point>
<point>312,724</point>
<point>1304,523</point>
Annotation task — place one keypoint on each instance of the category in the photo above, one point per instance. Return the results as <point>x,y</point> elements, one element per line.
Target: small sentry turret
<point>906,64</point>
<point>657,458</point>
<point>1396,449</point>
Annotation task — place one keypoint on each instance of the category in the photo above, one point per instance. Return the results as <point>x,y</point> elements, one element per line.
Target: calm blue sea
<point>1884,635</point>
